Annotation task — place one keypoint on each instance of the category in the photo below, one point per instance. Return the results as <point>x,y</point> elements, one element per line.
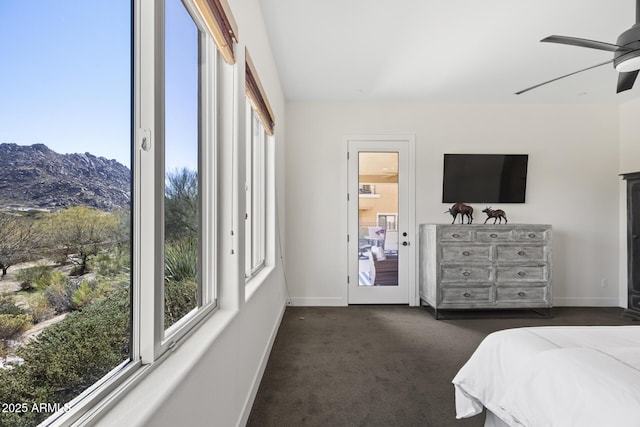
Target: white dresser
<point>469,266</point>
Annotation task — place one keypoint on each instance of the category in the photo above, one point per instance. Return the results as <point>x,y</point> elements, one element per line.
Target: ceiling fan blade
<point>593,44</point>
<point>562,77</point>
<point>626,80</point>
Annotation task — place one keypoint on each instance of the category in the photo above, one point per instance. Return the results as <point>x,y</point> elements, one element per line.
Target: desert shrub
<point>4,350</point>
<point>49,278</point>
<point>179,299</point>
<point>59,296</point>
<point>8,306</point>
<point>87,292</point>
<point>181,260</point>
<point>38,307</point>
<point>12,325</point>
<point>68,357</point>
<point>110,264</point>
<point>36,277</point>
<point>181,273</point>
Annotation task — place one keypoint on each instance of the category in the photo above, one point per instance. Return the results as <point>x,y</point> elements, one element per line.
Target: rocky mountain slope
<point>36,177</point>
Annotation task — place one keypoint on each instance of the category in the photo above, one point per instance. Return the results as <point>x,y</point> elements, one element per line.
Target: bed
<point>553,376</point>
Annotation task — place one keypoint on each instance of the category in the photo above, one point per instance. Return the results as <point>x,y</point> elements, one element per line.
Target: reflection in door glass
<point>377,219</point>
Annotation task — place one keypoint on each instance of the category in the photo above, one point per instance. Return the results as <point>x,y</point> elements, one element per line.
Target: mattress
<point>554,376</point>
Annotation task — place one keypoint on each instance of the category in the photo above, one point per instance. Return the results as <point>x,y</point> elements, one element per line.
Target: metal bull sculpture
<point>462,210</point>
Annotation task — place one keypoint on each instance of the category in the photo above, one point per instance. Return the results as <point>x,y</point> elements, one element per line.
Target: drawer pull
<point>521,294</point>
<point>466,253</point>
<point>494,235</point>
<point>531,235</point>
<point>522,253</point>
<point>521,273</point>
<point>466,295</point>
<point>455,235</point>
<point>466,274</point>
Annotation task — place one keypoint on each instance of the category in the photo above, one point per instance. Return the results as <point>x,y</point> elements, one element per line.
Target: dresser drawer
<point>464,253</point>
<point>456,235</point>
<point>522,294</point>
<point>520,253</point>
<point>537,273</point>
<point>531,235</point>
<point>467,295</point>
<point>462,273</point>
<point>493,235</point>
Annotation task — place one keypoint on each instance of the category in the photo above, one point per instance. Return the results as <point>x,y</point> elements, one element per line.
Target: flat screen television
<point>484,178</point>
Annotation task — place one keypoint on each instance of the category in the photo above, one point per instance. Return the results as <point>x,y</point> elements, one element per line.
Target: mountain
<point>36,177</point>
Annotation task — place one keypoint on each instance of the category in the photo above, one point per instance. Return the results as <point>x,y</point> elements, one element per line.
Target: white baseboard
<point>248,404</point>
<point>586,302</point>
<point>318,301</point>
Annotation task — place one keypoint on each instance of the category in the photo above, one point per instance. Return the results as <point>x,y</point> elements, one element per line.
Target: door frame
<point>412,288</point>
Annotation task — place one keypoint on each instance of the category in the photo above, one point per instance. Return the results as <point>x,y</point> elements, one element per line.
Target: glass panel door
<point>378,233</point>
<point>380,222</point>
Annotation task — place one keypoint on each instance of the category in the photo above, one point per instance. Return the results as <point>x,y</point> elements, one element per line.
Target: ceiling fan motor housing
<point>631,40</point>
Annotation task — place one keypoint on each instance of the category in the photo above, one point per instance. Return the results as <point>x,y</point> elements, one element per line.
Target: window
<point>182,140</point>
<point>388,221</point>
<point>260,125</point>
<point>111,240</point>
<point>65,204</point>
<point>255,186</point>
<point>188,196</point>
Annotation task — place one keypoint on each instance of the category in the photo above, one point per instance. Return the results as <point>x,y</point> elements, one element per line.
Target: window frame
<point>150,342</point>
<point>207,188</point>
<point>255,194</point>
<point>165,339</point>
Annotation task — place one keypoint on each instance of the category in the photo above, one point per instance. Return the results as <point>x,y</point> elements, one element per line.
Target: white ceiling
<point>445,51</point>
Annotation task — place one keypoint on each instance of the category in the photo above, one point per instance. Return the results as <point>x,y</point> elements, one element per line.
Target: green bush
<point>37,277</point>
<point>111,264</point>
<point>12,325</point>
<point>181,275</point>
<point>38,307</point>
<point>179,299</point>
<point>59,296</point>
<point>181,260</point>
<point>68,357</point>
<point>88,292</point>
<point>8,306</point>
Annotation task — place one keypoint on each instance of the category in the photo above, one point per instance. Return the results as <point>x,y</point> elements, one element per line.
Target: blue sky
<point>65,78</point>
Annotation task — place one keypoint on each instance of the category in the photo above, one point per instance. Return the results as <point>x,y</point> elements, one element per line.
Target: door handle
<point>405,243</point>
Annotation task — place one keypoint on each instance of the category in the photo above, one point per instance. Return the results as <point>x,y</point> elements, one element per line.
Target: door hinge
<point>347,155</point>
<point>347,237</point>
<point>348,197</point>
<point>348,279</point>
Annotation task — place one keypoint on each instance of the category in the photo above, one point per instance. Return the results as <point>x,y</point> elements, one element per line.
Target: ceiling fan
<point>626,54</point>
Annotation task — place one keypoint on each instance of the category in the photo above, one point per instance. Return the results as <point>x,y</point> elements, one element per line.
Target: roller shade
<point>257,96</point>
<point>220,23</point>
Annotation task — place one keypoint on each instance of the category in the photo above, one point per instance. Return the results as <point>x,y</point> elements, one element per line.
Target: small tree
<point>17,238</point>
<point>181,204</point>
<point>80,232</point>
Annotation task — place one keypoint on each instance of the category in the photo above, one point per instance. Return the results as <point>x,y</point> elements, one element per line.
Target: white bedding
<point>555,376</point>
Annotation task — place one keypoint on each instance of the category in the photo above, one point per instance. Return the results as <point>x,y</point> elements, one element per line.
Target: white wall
<point>573,184</point>
<point>629,162</point>
<point>212,378</point>
<point>630,137</point>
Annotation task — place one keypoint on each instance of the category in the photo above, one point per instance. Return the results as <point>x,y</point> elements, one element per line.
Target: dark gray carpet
<point>381,365</point>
